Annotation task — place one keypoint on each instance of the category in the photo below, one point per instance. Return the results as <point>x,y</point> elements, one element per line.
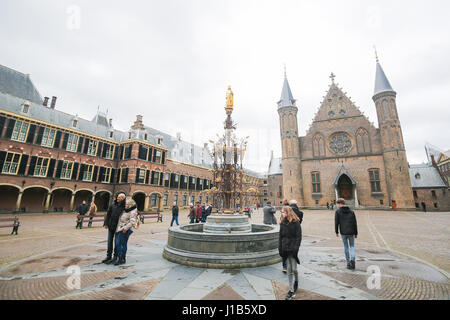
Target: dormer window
<point>111,133</point>
<point>159,140</point>
<point>129,135</point>
<point>25,108</point>
<point>417,175</point>
<point>75,123</point>
<point>145,136</point>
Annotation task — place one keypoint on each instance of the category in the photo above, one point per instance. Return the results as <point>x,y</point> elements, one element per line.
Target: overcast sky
<point>172,61</point>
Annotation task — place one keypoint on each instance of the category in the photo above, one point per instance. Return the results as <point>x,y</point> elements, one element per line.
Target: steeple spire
<point>286,99</point>
<point>381,82</point>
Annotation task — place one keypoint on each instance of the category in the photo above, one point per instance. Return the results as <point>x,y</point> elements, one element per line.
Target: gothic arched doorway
<point>345,187</point>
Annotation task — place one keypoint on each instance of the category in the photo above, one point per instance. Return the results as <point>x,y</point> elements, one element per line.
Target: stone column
<point>356,198</point>
<point>47,201</point>
<point>146,203</point>
<point>72,200</point>
<point>19,200</point>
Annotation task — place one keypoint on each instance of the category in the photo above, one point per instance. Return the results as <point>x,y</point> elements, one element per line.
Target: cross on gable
<point>332,76</point>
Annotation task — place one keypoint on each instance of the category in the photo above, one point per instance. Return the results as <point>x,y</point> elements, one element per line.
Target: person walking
<point>204,212</point>
<point>126,222</point>
<point>198,213</point>
<point>191,215</point>
<point>92,212</point>
<point>174,214</point>
<point>111,221</point>
<point>328,206</point>
<point>208,210</point>
<point>82,209</point>
<point>16,224</point>
<point>424,206</point>
<point>345,222</point>
<point>288,246</point>
<point>269,214</point>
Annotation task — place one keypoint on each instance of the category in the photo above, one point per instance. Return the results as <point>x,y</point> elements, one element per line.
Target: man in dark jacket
<point>204,212</point>
<point>113,214</point>
<point>82,209</point>
<point>174,214</point>
<point>345,222</point>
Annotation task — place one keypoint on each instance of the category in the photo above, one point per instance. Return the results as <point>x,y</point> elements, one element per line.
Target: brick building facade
<point>52,161</point>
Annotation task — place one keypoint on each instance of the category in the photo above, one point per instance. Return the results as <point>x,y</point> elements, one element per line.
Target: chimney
<point>45,101</point>
<point>52,106</point>
<point>110,122</point>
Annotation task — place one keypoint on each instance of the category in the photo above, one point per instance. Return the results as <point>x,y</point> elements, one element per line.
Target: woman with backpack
<point>288,246</point>
<point>127,221</point>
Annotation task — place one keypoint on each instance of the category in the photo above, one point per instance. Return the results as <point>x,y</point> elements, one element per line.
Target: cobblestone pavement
<point>411,251</point>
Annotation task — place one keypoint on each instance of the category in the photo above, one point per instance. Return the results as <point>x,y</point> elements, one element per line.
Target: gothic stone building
<point>343,154</point>
<point>52,161</point>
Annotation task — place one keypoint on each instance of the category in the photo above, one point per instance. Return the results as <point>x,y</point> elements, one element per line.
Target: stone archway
<point>82,195</point>
<point>139,198</point>
<point>61,200</point>
<point>34,198</point>
<point>101,200</point>
<point>9,198</point>
<point>345,187</point>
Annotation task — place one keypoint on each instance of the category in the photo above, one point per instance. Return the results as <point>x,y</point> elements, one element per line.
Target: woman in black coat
<point>288,246</point>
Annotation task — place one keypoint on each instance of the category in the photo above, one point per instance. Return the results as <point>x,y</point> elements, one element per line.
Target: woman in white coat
<point>127,221</point>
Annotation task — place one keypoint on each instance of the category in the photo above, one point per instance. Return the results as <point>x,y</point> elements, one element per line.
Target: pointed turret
<point>381,82</point>
<point>286,99</point>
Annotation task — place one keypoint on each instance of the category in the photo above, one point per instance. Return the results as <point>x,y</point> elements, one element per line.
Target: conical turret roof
<point>381,82</point>
<point>286,99</point>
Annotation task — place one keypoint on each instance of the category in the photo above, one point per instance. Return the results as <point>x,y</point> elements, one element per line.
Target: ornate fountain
<point>227,239</point>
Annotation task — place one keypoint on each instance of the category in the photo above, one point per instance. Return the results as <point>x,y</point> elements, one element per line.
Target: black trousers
<point>111,243</point>
<point>15,229</point>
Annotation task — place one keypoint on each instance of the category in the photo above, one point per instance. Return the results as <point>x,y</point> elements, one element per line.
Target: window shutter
<point>39,135</point>
<point>113,174</point>
<point>154,155</point>
<point>94,174</point>
<point>86,146</point>
<point>101,174</point>
<point>65,139</point>
<point>121,153</point>
<point>2,159</point>
<point>128,152</point>
<point>32,165</point>
<point>150,154</point>
<point>105,148</point>
<point>125,178</point>
<point>57,139</point>
<point>82,170</point>
<point>10,128</point>
<point>75,171</point>
<point>2,124</point>
<point>163,158</point>
<point>23,165</point>
<point>80,144</point>
<point>31,132</point>
<point>147,176</point>
<point>51,168</point>
<point>161,178</point>
<point>59,169</point>
<point>99,149</point>
<point>137,174</point>
<point>119,172</point>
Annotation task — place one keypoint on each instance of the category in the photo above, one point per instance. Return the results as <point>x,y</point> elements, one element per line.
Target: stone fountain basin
<point>189,245</point>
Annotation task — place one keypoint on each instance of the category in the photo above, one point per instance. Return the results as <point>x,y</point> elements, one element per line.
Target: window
<point>342,112</point>
<point>435,205</point>
<point>159,140</point>
<point>25,108</point>
<point>109,151</point>
<point>107,175</point>
<point>340,143</point>
<point>20,131</point>
<point>40,169</point>
<point>11,164</point>
<point>433,193</point>
<point>74,123</point>
<point>166,179</point>
<point>153,200</point>
<point>374,176</point>
<point>415,194</point>
<point>265,192</point>
<point>87,174</point>
<point>92,148</point>
<point>175,198</point>
<point>166,197</point>
<point>331,114</point>
<point>66,170</point>
<point>184,200</point>
<point>141,177</point>
<point>111,133</point>
<point>155,177</point>
<point>123,175</point>
<point>145,136</point>
<point>417,205</point>
<point>72,143</point>
<point>417,176</point>
<point>157,158</point>
<point>48,137</point>
<point>381,202</point>
<point>315,182</point>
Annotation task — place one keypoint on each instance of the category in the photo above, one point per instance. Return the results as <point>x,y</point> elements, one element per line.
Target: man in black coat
<point>174,214</point>
<point>82,209</point>
<point>115,210</point>
<point>345,222</point>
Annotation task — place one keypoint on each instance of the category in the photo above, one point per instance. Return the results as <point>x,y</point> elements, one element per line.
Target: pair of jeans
<point>192,220</point>
<point>349,241</point>
<point>111,242</point>
<point>122,242</point>
<point>292,271</point>
<point>174,218</point>
<point>90,221</point>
